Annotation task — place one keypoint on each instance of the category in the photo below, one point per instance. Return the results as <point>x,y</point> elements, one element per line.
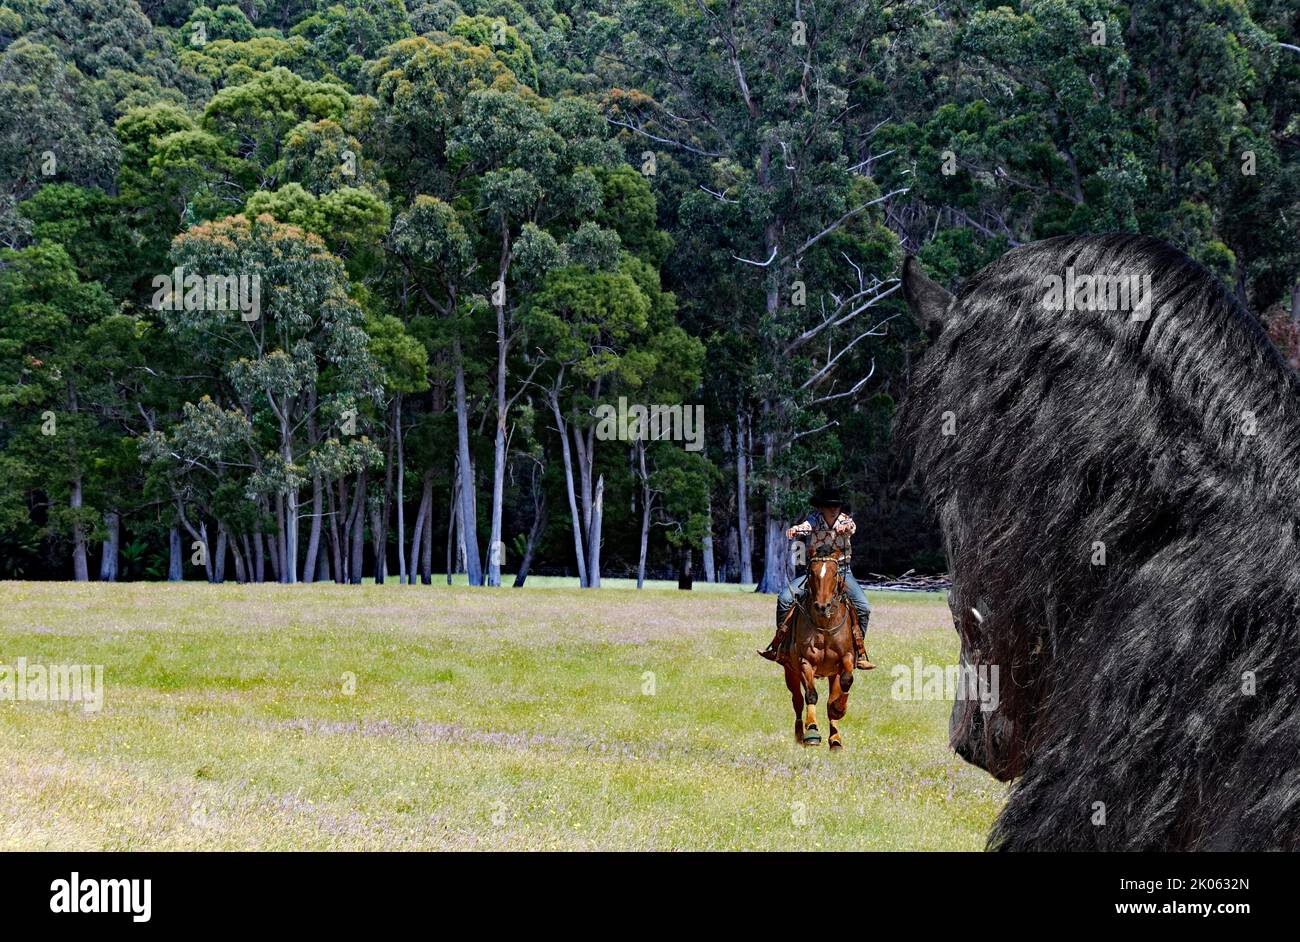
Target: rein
<point>839,598</point>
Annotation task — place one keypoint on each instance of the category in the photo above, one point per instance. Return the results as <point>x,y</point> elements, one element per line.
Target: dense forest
<point>307,290</point>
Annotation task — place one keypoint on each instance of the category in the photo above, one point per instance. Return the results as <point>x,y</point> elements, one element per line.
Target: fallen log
<point>909,581</point>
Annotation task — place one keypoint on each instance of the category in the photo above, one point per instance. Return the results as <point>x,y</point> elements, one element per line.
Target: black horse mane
<point>1151,701</point>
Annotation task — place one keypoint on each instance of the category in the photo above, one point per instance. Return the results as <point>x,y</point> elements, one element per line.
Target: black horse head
<point>1112,449</point>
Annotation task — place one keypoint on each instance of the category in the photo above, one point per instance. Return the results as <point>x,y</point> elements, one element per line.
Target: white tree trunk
<point>174,564</point>
<point>593,534</point>
<point>710,573</point>
<point>80,568</point>
<point>313,538</point>
<point>645,514</point>
<point>742,501</point>
<point>108,563</point>
<point>473,566</point>
<point>401,496</point>
<point>573,500</point>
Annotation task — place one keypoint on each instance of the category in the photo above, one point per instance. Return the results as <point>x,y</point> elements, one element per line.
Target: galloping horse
<point>821,646</point>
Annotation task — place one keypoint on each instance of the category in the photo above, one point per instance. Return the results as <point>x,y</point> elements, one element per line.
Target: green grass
<point>481,719</point>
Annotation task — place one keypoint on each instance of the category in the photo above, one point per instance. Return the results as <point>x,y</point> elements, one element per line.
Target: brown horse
<point>821,646</point>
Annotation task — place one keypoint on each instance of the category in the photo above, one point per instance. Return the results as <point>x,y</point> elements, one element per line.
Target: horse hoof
<point>812,737</point>
<point>836,745</point>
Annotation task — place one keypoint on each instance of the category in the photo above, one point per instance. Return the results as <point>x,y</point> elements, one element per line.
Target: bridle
<point>839,598</point>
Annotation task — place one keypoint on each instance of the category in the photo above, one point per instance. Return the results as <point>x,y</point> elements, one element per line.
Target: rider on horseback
<point>827,529</point>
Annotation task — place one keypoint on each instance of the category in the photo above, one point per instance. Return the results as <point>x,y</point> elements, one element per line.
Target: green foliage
<point>552,206</point>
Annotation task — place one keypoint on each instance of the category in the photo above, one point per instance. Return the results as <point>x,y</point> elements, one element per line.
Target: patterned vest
<point>821,539</point>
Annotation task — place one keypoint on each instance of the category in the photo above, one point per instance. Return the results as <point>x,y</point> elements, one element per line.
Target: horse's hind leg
<point>811,734</point>
<point>796,697</point>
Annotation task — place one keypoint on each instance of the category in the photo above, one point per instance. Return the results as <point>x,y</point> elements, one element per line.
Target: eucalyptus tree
<point>533,167</point>
<point>601,326</point>
<point>307,336</point>
<point>435,248</point>
<point>51,126</point>
<point>51,387</point>
<point>422,85</point>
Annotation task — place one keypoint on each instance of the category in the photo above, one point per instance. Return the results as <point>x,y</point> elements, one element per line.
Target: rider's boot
<point>773,651</point>
<point>863,660</point>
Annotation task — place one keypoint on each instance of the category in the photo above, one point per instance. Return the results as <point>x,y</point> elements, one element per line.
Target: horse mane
<point>1158,686</point>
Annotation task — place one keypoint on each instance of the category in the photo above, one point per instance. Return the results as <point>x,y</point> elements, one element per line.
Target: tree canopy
<point>311,289</point>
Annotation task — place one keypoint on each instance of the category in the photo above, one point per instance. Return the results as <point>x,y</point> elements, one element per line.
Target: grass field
<point>481,719</point>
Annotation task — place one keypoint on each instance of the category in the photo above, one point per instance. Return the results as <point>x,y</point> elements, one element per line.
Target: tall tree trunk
<point>219,564</point>
<point>593,534</point>
<point>290,559</point>
<point>280,552</point>
<point>348,510</point>
<point>241,569</point>
<point>742,500</point>
<point>358,529</point>
<point>426,555</point>
<point>776,572</point>
<point>376,532</point>
<point>534,532</point>
<point>209,572</point>
<point>337,508</point>
<point>401,496</point>
<point>731,565</point>
<point>175,569</point>
<point>460,531</point>
<point>200,537</point>
<point>453,515</point>
<point>313,539</point>
<point>646,497</point>
<point>323,564</point>
<point>586,450</point>
<point>254,570</point>
<point>379,517</point>
<point>469,525</point>
<point>495,546</point>
<point>710,574</point>
<point>573,500</point>
<point>265,556</point>
<point>287,507</point>
<point>80,568</point>
<point>423,518</point>
<point>108,563</point>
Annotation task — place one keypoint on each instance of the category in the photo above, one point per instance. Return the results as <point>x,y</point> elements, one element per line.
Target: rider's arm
<point>799,529</point>
<point>846,525</point>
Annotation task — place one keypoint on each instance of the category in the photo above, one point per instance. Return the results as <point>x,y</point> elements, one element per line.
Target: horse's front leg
<point>838,703</point>
<point>811,735</point>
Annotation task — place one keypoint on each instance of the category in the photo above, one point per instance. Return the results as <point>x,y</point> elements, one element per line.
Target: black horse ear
<point>927,301</point>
